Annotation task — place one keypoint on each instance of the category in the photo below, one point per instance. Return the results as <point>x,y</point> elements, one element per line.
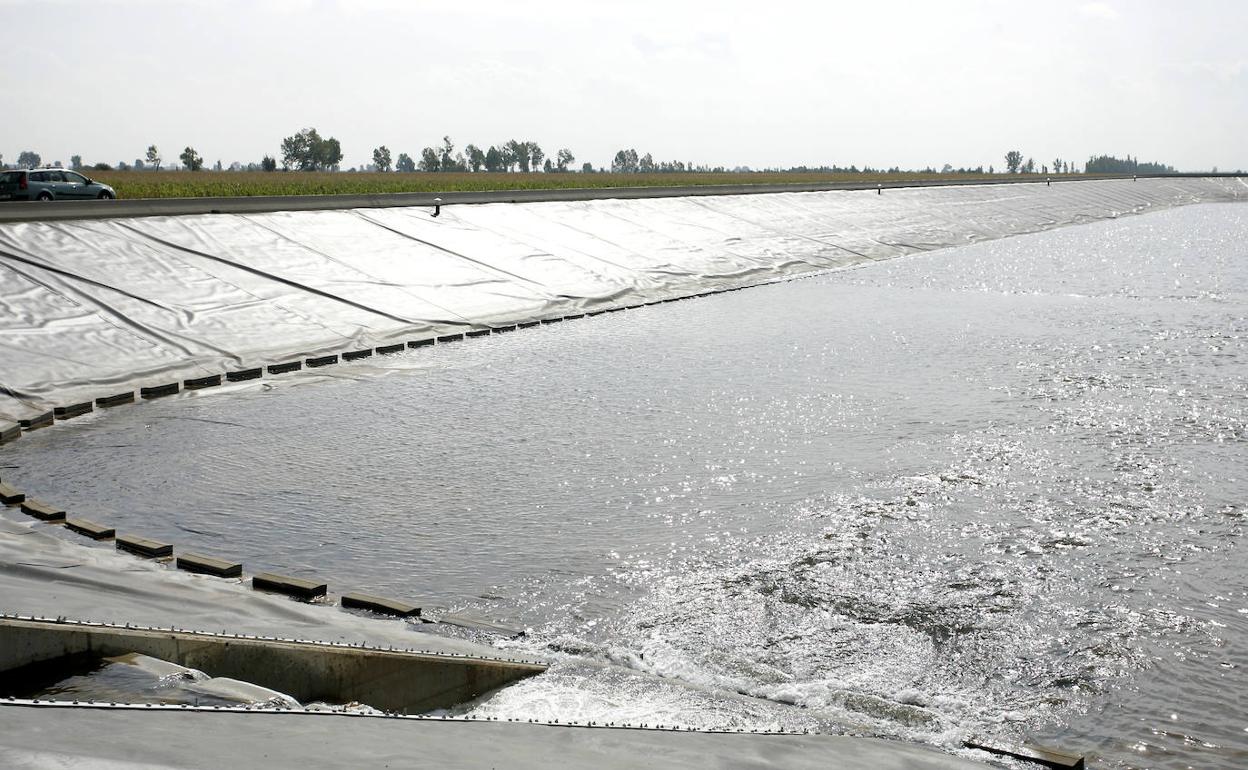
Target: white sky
<point>758,83</point>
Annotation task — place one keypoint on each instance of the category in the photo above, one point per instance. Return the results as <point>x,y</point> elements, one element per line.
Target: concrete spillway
<point>101,312</point>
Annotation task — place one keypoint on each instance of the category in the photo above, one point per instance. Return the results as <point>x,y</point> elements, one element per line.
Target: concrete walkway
<point>40,737</point>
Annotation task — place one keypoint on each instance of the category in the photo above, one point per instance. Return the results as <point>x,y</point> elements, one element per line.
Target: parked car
<point>46,184</point>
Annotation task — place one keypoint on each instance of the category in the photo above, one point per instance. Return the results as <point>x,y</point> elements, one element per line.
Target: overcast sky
<point>770,83</point>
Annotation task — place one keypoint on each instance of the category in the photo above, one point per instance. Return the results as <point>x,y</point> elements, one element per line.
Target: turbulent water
<point>993,490</point>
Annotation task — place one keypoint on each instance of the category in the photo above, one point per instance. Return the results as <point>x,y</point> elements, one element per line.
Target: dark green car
<point>47,184</point>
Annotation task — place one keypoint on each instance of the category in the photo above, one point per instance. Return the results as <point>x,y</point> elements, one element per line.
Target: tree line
<point>1108,164</point>
<point>512,155</point>
<point>1096,164</point>
<point>307,150</point>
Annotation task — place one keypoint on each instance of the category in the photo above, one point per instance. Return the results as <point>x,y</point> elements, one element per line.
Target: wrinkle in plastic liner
<point>88,308</point>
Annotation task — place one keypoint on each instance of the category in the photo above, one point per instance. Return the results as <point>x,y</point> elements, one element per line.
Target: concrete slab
<point>195,383</point>
<point>445,338</point>
<point>142,546</point>
<point>9,495</point>
<point>116,399</point>
<point>478,333</point>
<point>245,374</point>
<point>36,422</point>
<point>90,529</point>
<point>289,366</point>
<point>9,432</point>
<point>387,350</point>
<point>319,361</point>
<point>73,410</point>
<point>299,588</point>
<point>426,342</point>
<point>158,391</point>
<point>41,510</point>
<point>356,355</point>
<point>380,604</point>
<point>208,565</point>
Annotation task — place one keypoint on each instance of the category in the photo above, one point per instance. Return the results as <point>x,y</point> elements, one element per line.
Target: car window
<point>10,177</point>
<point>56,176</point>
<point>71,176</point>
<point>39,176</point>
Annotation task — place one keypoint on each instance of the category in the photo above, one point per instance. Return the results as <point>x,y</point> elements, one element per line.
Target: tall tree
<point>563,158</point>
<point>153,157</point>
<point>646,164</point>
<point>191,159</point>
<point>381,158</point>
<point>1057,165</point>
<point>625,162</point>
<point>307,151</point>
<point>75,161</point>
<point>519,153</point>
<point>327,155</point>
<point>1029,167</point>
<point>268,163</point>
<point>295,149</point>
<point>405,163</point>
<point>507,154</point>
<point>476,158</point>
<point>536,155</point>
<point>493,159</point>
<point>1013,161</point>
<point>29,159</point>
<point>446,157</point>
<point>429,160</point>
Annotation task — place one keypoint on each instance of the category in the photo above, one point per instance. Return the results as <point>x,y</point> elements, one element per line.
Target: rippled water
<point>996,489</point>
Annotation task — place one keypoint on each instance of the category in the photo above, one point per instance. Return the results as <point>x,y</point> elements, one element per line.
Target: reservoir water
<point>994,490</point>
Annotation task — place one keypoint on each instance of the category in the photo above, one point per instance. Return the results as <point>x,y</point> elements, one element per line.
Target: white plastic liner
<point>95,307</point>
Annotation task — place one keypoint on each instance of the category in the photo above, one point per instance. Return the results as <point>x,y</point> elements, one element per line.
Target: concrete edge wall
<point>399,681</point>
<point>33,211</point>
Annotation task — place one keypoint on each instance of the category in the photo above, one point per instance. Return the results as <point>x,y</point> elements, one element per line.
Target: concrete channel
<point>396,681</point>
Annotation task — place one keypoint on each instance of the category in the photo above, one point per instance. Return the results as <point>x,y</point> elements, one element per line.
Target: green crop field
<point>215,184</point>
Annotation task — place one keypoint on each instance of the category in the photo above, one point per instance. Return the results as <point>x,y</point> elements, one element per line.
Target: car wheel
<point>44,196</point>
<point>105,195</point>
